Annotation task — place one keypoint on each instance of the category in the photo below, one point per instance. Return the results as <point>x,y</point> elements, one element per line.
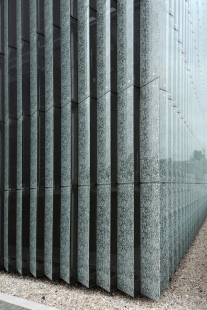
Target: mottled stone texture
<point>103,167</point>
<point>172,147</point>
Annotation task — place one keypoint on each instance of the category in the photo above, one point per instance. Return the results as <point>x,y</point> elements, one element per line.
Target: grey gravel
<point>187,289</point>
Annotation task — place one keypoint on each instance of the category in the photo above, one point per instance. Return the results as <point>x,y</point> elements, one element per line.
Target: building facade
<point>103,135</point>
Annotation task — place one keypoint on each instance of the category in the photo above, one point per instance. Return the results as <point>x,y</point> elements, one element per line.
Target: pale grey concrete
<point>14,303</point>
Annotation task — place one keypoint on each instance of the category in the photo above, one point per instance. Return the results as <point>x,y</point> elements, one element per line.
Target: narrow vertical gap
<point>74,192</point>
<point>74,144</point>
<point>40,16</point>
<point>113,216</point>
<point>56,233</point>
<point>114,46</point>
<point>12,22</point>
<point>93,4</point>
<point>74,58</point>
<point>25,20</point>
<point>25,193</point>
<point>25,230</point>
<point>93,54</point>
<point>73,8</point>
<point>40,231</point>
<point>12,194</point>
<point>40,189</point>
<point>56,138</point>
<point>56,13</point>
<point>113,230</point>
<point>57,191</point>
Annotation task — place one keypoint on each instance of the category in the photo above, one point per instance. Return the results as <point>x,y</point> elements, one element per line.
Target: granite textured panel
<point>106,273</point>
<point>83,234</point>
<point>19,152</point>
<point>149,41</point>
<point>66,145</point>
<point>125,44</point>
<point>163,45</point>
<point>83,50</point>
<point>125,135</point>
<point>65,237</point>
<point>103,47</point>
<point>117,95</point>
<point>48,18</point>
<point>125,239</point>
<point>163,136</point>
<point>65,53</point>
<point>87,116</point>
<point>150,240</point>
<point>19,58</point>
<point>19,232</point>
<point>86,232</point>
<point>106,138</point>
<point>33,229</point>
<point>49,147</point>
<point>33,57</point>
<point>48,234</point>
<point>34,148</point>
<point>68,234</point>
<point>6,248</point>
<point>149,132</point>
<point>84,142</point>
<point>164,236</point>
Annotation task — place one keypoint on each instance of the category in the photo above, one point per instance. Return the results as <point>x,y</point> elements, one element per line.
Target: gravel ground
<point>187,290</point>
